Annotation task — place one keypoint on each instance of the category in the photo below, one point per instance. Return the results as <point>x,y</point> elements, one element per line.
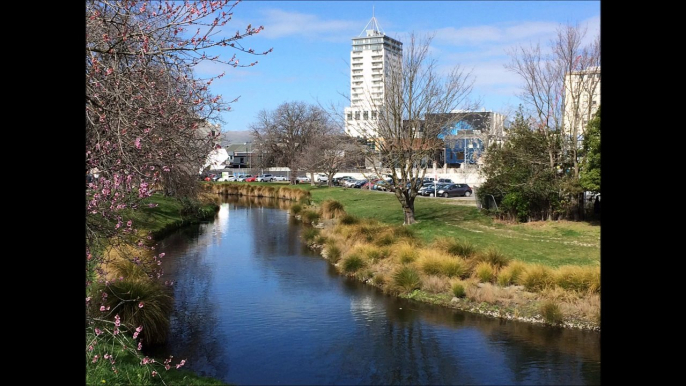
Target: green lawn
<point>551,243</point>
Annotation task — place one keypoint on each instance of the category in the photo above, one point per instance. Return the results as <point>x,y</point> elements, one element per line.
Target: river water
<point>254,306</point>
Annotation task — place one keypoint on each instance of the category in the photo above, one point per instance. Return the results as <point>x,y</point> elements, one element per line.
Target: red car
<point>251,179</point>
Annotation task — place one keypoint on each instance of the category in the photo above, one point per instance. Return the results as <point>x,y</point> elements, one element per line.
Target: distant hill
<point>235,137</point>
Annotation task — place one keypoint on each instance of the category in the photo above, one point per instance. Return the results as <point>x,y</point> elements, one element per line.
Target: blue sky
<point>311,43</point>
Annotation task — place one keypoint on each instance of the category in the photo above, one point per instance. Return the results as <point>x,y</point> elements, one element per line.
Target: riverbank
<point>112,357</point>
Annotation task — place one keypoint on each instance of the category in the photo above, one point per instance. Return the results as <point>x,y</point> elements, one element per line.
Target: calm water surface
<point>253,306</point>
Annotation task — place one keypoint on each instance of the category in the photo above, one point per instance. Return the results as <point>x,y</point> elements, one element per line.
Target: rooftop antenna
<point>375,30</point>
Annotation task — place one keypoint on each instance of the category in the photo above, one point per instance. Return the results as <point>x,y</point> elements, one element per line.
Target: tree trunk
<point>409,215</point>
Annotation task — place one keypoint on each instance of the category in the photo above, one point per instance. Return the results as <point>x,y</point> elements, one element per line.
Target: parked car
<point>279,178</point>
<point>300,179</point>
<point>382,185</point>
<point>358,184</point>
<point>430,189</point>
<point>370,184</point>
<point>243,177</point>
<point>453,190</point>
<point>445,181</point>
<point>265,178</point>
<point>251,179</point>
<point>339,181</point>
<point>232,179</point>
<point>321,178</point>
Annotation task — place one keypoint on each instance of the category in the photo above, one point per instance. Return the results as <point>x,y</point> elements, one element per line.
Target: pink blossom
<point>137,143</point>
<point>140,346</point>
<point>97,331</point>
<point>95,359</point>
<point>183,362</point>
<point>102,308</point>
<point>140,305</point>
<point>154,373</point>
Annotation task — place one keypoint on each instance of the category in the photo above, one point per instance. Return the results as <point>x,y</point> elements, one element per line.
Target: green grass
<point>552,244</point>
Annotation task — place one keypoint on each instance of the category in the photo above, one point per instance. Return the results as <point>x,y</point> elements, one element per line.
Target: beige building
<point>581,100</point>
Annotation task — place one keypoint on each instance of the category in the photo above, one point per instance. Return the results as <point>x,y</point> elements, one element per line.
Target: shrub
<point>310,233</point>
<point>140,303</point>
<point>332,209</point>
<point>385,239</point>
<point>296,208</point>
<point>455,247</point>
<point>332,251</point>
<point>458,290</point>
<point>437,263</point>
<point>407,279</point>
<point>435,284</point>
<point>352,263</point>
<point>320,240</point>
<point>536,277</point>
<point>310,216</point>
<point>485,272</point>
<point>406,253</point>
<point>511,273</point>
<point>348,219</point>
<point>493,256</point>
<point>577,278</point>
<point>551,312</point>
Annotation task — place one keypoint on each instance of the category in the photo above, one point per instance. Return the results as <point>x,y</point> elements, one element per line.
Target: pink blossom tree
<point>147,111</point>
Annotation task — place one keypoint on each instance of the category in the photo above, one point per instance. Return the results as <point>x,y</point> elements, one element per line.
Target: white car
<point>279,178</point>
<point>322,178</point>
<point>265,178</point>
<point>302,179</point>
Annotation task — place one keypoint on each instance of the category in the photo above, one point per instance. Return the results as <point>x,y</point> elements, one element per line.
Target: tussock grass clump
<point>332,209</point>
<point>511,273</point>
<point>348,219</point>
<point>434,262</point>
<point>140,303</point>
<point>320,239</point>
<point>458,289</point>
<point>403,232</point>
<point>435,284</point>
<point>462,248</point>
<point>493,256</point>
<point>296,208</point>
<point>352,263</point>
<point>310,216</point>
<point>575,278</point>
<point>536,277</point>
<point>385,239</point>
<point>333,253</point>
<point>485,272</point>
<point>310,234</point>
<point>551,312</point>
<point>406,253</point>
<point>407,279</point>
<point>372,253</point>
<point>379,279</point>
<point>127,269</point>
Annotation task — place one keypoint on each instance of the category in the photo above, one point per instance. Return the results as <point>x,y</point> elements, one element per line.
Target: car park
<point>455,190</point>
<point>358,184</point>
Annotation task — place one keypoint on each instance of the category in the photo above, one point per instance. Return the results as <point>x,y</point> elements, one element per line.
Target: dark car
<point>455,190</point>
<point>431,189</point>
<point>338,181</point>
<point>359,183</point>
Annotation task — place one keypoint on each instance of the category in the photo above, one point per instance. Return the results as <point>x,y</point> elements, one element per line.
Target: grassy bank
<point>113,358</point>
<point>454,256</point>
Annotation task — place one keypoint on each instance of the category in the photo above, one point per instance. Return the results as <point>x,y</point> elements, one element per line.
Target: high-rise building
<point>581,100</point>
<point>373,59</point>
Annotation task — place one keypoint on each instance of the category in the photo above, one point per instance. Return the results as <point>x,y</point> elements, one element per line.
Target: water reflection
<point>253,306</point>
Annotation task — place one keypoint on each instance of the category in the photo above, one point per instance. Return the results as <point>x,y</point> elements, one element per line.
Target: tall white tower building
<point>372,59</point>
<point>581,99</point>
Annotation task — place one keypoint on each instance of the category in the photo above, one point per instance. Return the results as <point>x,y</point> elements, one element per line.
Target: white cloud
<point>279,23</point>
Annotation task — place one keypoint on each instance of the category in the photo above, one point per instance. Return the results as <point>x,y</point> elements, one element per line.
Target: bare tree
<point>559,88</point>
<point>402,138</point>
<point>554,84</point>
<point>286,132</point>
<point>328,154</point>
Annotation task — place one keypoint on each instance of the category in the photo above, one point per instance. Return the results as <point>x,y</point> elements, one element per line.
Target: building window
<point>357,115</point>
<point>350,116</point>
<point>374,114</point>
<point>365,115</point>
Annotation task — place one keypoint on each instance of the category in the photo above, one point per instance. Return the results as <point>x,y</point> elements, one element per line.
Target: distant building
<point>374,58</point>
<point>468,135</point>
<point>581,100</point>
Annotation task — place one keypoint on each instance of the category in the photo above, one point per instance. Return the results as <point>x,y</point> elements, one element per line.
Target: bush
<point>352,263</point>
<point>455,247</point>
<point>458,290</point>
<point>485,272</point>
<point>494,257</point>
<point>406,253</point>
<point>347,219</point>
<point>333,253</point>
<point>296,208</point>
<point>332,209</point>
<point>551,312</point>
<point>511,273</point>
<point>139,303</point>
<point>385,240</point>
<point>579,279</point>
<point>536,277</point>
<point>437,263</point>
<point>310,216</point>
<point>309,234</point>
<point>407,279</point>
